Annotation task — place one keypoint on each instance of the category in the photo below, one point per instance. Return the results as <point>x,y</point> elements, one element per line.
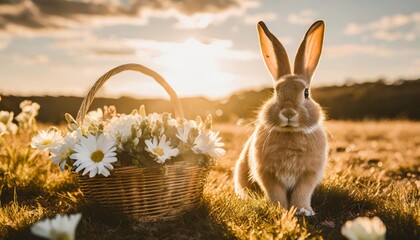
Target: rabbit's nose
<point>290,114</point>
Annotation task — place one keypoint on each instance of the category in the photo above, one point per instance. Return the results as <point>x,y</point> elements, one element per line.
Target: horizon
<point>347,83</point>
<point>211,50</point>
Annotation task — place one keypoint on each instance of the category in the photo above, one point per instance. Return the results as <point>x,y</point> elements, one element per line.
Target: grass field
<point>373,170</point>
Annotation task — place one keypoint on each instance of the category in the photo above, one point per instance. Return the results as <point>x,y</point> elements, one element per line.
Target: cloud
<point>358,49</point>
<point>114,52</point>
<point>29,60</point>
<point>202,19</point>
<point>95,48</point>
<point>393,36</point>
<point>388,28</point>
<point>210,48</point>
<point>4,43</point>
<point>186,64</point>
<point>414,67</point>
<point>106,49</point>
<point>385,23</point>
<point>343,50</point>
<point>252,19</point>
<point>27,17</point>
<point>304,17</point>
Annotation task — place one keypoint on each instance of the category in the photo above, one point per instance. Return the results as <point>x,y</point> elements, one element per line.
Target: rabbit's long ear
<point>273,52</point>
<point>309,52</point>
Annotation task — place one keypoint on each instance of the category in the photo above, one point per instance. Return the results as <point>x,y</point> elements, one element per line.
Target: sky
<point>202,48</point>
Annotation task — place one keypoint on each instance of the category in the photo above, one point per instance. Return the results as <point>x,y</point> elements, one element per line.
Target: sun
<point>193,68</point>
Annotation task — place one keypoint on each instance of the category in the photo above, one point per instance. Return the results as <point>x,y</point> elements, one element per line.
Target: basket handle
<point>84,107</point>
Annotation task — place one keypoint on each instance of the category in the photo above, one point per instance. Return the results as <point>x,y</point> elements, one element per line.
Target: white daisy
<point>121,127</point>
<point>94,155</point>
<point>13,128</point>
<point>3,129</point>
<point>6,117</point>
<point>29,107</point>
<point>208,143</point>
<point>172,122</point>
<point>183,131</point>
<point>62,152</point>
<point>93,118</point>
<point>47,139</point>
<point>363,228</point>
<point>29,111</point>
<point>58,228</point>
<point>154,117</point>
<point>161,149</point>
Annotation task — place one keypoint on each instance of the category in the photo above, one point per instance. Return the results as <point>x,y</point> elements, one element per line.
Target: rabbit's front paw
<point>305,212</point>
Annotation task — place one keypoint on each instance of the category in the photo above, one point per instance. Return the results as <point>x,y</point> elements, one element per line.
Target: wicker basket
<point>145,194</point>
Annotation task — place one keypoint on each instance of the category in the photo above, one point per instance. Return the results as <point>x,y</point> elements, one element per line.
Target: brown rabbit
<point>287,152</point>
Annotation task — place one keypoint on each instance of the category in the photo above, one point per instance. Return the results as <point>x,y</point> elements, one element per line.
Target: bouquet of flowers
<point>108,139</point>
<point>26,119</point>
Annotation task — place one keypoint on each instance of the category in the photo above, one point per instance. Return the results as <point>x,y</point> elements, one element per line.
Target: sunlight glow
<point>193,67</point>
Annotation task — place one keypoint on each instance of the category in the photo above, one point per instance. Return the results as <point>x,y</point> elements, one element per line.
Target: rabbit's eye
<point>306,92</point>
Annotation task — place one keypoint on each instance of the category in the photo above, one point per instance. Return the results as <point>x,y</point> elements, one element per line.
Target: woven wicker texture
<point>146,194</point>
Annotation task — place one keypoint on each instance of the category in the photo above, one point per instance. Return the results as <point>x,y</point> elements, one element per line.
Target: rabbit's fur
<point>286,154</point>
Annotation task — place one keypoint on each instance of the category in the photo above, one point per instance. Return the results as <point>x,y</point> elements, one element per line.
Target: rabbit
<point>287,152</point>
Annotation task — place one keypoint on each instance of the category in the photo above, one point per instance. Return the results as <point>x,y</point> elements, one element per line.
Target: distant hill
<point>373,100</point>
<point>370,100</point>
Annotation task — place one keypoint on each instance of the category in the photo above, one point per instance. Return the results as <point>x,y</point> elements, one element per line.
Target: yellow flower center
<point>46,142</point>
<point>59,235</point>
<point>158,151</point>
<point>97,156</point>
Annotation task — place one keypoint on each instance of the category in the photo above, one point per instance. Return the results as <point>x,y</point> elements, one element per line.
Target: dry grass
<point>373,170</point>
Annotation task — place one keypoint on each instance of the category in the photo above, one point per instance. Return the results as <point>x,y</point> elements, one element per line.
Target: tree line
<point>369,100</point>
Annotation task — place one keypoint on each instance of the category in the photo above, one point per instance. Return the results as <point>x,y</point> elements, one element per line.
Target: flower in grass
<point>27,118</point>
<point>94,154</point>
<point>6,117</point>
<point>161,149</point>
<point>209,143</point>
<point>58,228</point>
<point>29,111</point>
<point>8,126</point>
<point>29,107</point>
<point>62,152</point>
<point>46,140</point>
<point>3,129</point>
<point>12,128</point>
<point>364,228</point>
